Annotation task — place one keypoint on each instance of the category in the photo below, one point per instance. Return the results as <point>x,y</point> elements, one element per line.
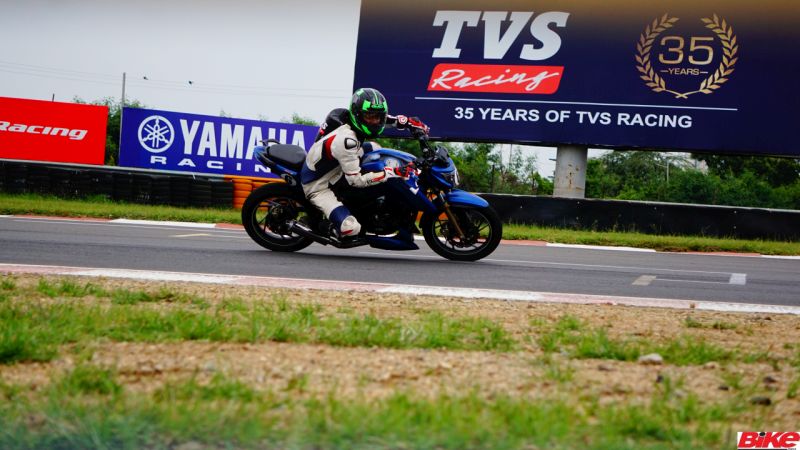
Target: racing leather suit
<point>337,151</point>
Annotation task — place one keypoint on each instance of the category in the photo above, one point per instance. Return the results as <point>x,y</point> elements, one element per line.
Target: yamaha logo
<point>156,134</point>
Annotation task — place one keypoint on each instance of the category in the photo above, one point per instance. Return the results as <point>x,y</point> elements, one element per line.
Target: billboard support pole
<point>570,175</point>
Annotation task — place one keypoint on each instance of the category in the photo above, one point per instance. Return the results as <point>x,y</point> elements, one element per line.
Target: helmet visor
<point>373,117</point>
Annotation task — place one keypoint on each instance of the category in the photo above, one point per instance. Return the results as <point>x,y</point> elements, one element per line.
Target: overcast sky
<point>252,59</point>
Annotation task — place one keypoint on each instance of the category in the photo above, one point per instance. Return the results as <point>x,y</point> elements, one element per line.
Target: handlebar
<point>422,138</point>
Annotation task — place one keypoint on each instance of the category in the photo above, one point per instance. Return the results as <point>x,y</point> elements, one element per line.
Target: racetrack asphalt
<point>532,271</point>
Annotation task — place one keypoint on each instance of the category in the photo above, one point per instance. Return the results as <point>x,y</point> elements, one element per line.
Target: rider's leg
<point>336,212</point>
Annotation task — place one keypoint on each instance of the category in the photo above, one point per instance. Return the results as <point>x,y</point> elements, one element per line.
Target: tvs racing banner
<point>167,140</point>
<point>708,76</point>
<point>38,130</point>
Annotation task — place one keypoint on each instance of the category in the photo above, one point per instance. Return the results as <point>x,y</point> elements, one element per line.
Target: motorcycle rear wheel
<point>266,214</point>
<point>482,230</point>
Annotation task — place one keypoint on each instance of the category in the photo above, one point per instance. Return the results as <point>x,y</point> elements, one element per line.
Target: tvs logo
<point>501,30</point>
<point>496,78</point>
<point>696,64</point>
<point>156,134</point>
<point>767,440</point>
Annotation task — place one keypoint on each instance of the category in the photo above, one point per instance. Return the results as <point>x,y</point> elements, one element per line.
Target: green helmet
<point>368,110</point>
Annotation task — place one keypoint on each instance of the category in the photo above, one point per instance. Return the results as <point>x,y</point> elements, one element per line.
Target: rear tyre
<point>266,215</point>
<point>482,230</point>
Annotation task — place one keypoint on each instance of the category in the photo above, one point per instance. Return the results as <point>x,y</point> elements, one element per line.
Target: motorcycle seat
<point>290,156</point>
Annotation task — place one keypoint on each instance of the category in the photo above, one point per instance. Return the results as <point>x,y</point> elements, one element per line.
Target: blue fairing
<point>374,160</point>
<point>457,197</point>
<point>440,172</point>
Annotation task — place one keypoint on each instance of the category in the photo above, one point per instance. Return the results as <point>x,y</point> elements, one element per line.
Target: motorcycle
<point>456,224</point>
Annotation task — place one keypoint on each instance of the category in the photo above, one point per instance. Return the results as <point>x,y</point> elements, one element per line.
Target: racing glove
<point>411,123</point>
<point>404,172</point>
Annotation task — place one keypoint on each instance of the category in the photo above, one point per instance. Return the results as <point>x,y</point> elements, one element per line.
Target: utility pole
<point>121,107</point>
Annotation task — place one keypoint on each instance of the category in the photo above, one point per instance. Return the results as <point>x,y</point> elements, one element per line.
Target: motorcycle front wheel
<point>266,215</point>
<point>481,228</point>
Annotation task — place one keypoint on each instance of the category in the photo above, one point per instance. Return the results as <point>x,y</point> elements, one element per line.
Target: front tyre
<point>481,227</point>
<point>267,213</point>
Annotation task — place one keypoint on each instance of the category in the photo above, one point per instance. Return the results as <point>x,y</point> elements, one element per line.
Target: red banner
<point>496,78</point>
<point>52,131</point>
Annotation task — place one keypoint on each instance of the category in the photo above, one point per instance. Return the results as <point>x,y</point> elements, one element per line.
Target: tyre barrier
<point>122,184</point>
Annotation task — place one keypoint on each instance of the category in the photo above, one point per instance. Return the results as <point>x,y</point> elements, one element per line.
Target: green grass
<point>8,284</point>
<point>576,339</point>
<point>89,406</point>
<point>86,409</point>
<point>43,205</point>
<point>101,208</point>
<point>656,242</point>
<point>68,288</point>
<point>88,380</point>
<point>219,388</point>
<point>794,388</point>
<point>34,330</point>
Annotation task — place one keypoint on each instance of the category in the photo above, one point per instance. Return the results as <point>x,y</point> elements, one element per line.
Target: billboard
<point>713,76</point>
<point>52,131</point>
<point>166,140</point>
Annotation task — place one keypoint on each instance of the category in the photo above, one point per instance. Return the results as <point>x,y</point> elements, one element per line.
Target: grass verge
<point>100,208</point>
<point>655,242</point>
<point>114,364</point>
<point>35,329</point>
<point>88,408</point>
<point>582,341</point>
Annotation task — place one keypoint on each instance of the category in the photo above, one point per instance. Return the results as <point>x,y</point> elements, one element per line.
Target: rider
<point>338,150</point>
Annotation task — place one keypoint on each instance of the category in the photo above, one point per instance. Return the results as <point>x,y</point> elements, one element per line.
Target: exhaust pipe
<point>302,230</point>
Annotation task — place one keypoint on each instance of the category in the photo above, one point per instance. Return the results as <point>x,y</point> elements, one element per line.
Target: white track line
<point>644,280</point>
<point>299,283</point>
<point>164,223</point>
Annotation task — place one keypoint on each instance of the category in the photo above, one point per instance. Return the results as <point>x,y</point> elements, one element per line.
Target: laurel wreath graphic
<point>730,50</point>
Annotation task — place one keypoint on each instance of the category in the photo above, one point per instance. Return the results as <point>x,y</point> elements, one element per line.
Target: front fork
<point>442,203</point>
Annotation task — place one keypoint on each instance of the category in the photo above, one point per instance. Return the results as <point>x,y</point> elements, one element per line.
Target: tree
<point>297,119</point>
<point>734,181</point>
<point>628,175</point>
<point>775,171</point>
<point>113,125</point>
<point>476,163</point>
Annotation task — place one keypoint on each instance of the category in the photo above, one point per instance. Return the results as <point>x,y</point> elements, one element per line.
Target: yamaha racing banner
<point>166,140</point>
<point>714,76</point>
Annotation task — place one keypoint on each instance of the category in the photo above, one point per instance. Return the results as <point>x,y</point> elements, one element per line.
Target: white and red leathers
<point>335,154</point>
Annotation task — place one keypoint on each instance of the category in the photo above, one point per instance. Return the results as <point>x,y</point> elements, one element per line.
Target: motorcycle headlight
<point>452,177</point>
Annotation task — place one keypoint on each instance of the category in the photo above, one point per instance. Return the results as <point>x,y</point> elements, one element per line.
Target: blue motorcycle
<point>456,224</point>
